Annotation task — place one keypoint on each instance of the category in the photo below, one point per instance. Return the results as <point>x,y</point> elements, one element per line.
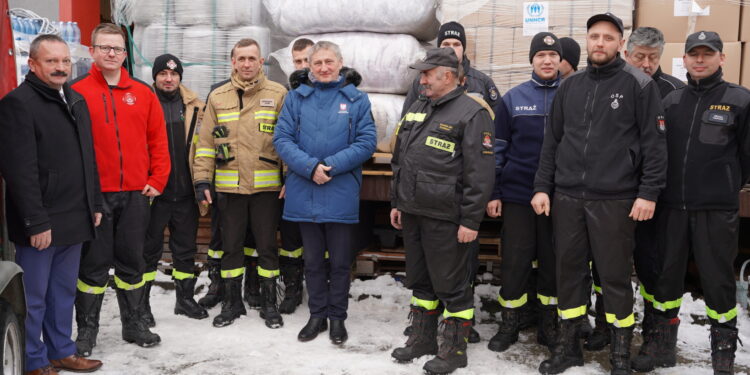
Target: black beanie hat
<point>544,41</point>
<point>452,30</point>
<point>166,61</point>
<point>571,51</point>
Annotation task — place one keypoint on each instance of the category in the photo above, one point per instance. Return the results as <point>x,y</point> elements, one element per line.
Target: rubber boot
<point>146,314</point>
<point>292,276</point>
<point>231,306</point>
<point>619,350</point>
<point>529,315</point>
<point>423,337</point>
<point>251,294</point>
<point>473,334</point>
<point>599,338</point>
<point>452,351</point>
<point>185,304</point>
<point>134,328</point>
<point>507,333</point>
<point>723,346</point>
<point>269,310</point>
<point>88,307</point>
<point>546,330</point>
<point>215,292</point>
<point>566,352</point>
<point>659,347</point>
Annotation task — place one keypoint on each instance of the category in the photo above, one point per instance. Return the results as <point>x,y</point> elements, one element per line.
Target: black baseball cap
<point>709,39</point>
<point>437,57</point>
<point>609,17</point>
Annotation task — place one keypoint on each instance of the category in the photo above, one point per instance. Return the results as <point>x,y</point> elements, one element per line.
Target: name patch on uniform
<point>267,128</point>
<point>719,107</point>
<point>661,124</point>
<point>440,144</point>
<point>721,118</point>
<point>267,103</point>
<point>487,140</point>
<point>445,127</point>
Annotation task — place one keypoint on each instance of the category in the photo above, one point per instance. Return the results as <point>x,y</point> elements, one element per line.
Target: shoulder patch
<point>487,140</point>
<point>661,124</point>
<point>493,93</point>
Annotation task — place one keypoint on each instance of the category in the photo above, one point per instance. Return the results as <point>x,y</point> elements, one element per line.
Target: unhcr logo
<point>534,12</point>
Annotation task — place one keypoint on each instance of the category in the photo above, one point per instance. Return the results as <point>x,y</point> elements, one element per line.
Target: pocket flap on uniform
<point>714,117</point>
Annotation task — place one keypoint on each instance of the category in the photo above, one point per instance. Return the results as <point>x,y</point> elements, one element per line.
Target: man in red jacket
<point>132,155</point>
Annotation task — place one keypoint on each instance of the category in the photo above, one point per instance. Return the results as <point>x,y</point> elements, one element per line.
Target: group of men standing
<point>574,162</point>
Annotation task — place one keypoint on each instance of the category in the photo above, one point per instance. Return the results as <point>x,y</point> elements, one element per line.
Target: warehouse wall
<point>44,8</point>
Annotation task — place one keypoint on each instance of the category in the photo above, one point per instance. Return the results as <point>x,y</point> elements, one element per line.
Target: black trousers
<point>437,265</point>
<point>645,257</point>
<point>526,237</point>
<point>262,210</point>
<point>181,217</point>
<point>713,238</point>
<point>119,243</point>
<point>603,229</point>
<point>328,280</point>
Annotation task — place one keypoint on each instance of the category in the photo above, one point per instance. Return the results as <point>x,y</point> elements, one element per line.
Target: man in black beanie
<point>176,206</point>
<point>452,34</point>
<point>571,55</point>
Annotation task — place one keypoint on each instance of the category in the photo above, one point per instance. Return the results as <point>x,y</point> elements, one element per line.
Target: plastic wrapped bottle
<point>76,33</point>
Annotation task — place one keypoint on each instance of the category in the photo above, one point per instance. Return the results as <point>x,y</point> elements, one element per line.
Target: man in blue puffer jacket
<point>527,237</point>
<point>324,134</point>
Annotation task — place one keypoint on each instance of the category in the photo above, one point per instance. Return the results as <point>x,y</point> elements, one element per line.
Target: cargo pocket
<point>435,191</point>
<point>715,127</point>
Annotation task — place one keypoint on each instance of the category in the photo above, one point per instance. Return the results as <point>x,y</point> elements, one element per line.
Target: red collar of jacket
<point>125,80</point>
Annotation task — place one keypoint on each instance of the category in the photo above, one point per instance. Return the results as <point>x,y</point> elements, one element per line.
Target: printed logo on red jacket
<point>129,99</point>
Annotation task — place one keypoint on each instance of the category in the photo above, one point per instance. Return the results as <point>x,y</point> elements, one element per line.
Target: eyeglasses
<point>107,49</point>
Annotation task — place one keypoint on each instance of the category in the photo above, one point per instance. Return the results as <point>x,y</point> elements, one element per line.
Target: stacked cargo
<point>378,39</point>
<point>745,39</point>
<point>679,18</point>
<point>499,31</point>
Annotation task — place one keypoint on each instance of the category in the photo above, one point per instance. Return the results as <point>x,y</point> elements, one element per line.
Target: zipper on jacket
<point>171,142</point>
<point>590,111</point>
<point>117,135</point>
<point>349,135</point>
<point>687,148</point>
<point>106,113</point>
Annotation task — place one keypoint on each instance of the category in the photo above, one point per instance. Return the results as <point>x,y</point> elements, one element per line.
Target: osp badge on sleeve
<point>661,124</point>
<point>487,143</point>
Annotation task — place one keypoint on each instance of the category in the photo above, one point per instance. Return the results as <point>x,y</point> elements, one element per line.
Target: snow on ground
<point>378,313</point>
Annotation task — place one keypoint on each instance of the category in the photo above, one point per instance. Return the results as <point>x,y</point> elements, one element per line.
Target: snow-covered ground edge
<point>378,313</point>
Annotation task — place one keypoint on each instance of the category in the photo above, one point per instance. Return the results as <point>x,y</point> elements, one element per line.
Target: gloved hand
<point>200,191</point>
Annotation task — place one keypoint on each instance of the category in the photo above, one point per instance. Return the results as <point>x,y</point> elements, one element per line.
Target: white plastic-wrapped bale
<point>200,78</point>
<point>414,17</point>
<point>382,59</point>
<point>204,44</point>
<point>239,12</point>
<point>197,12</point>
<point>146,12</point>
<point>386,111</point>
<point>260,34</point>
<point>143,72</point>
<point>157,39</point>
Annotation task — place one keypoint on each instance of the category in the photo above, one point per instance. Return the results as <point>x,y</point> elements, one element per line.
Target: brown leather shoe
<point>46,370</point>
<point>76,363</point>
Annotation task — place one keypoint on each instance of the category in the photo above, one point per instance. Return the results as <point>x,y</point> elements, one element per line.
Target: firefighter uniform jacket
<point>235,147</point>
<point>443,162</point>
<point>708,140</point>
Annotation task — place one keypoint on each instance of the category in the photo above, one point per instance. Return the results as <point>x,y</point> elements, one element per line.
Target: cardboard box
<point>745,75</point>
<point>723,17</point>
<point>745,22</point>
<point>671,61</point>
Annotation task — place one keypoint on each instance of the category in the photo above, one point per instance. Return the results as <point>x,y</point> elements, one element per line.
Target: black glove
<point>200,189</point>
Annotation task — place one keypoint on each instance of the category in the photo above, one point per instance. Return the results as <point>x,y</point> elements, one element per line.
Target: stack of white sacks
<point>379,39</point>
<point>199,32</point>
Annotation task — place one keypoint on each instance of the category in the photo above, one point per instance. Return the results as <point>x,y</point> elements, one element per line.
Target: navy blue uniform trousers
<point>328,291</point>
<point>49,277</point>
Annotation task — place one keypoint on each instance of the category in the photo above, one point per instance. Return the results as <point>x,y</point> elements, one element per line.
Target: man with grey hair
<point>443,175</point>
<point>644,49</point>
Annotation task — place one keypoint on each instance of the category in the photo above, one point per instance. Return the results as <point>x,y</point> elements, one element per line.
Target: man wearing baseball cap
<point>175,207</point>
<point>527,237</point>
<point>604,157</point>
<point>443,175</point>
<point>708,142</point>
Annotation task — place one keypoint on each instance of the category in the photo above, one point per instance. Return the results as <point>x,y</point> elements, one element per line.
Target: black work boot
<point>269,310</point>
<point>723,346</point>
<point>88,307</point>
<point>452,351</point>
<point>619,350</point>
<point>251,294</point>
<point>292,275</point>
<point>529,315</point>
<point>231,306</point>
<point>185,304</point>
<point>423,337</point>
<point>134,328</point>
<point>599,338</point>
<point>507,334</point>
<point>566,352</point>
<point>216,288</point>
<point>659,347</point>
<point>146,314</point>
<point>546,330</point>
<point>473,334</point>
